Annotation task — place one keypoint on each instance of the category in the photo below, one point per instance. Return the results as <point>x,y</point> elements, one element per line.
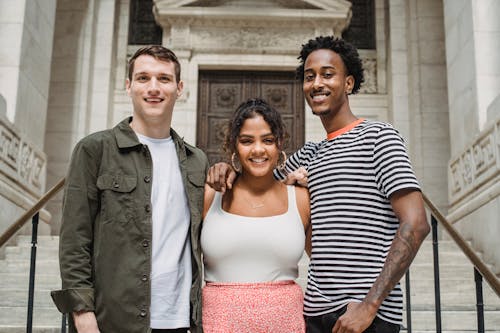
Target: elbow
<point>422,228</point>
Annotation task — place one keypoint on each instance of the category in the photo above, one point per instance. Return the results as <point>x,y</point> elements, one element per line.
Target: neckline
<point>334,134</point>
<point>219,207</point>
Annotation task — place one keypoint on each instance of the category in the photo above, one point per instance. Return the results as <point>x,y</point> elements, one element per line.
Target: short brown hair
<point>158,52</point>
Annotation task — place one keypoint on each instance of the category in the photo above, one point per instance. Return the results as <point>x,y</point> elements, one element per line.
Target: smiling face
<point>257,148</point>
<point>154,90</point>
<point>326,83</point>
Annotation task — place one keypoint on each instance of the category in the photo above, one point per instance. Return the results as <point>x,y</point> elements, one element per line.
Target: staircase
<point>458,293</point>
<point>14,277</point>
<point>456,276</point>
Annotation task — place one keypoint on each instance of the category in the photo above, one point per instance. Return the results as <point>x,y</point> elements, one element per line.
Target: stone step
<point>453,320</point>
<point>42,316</point>
<point>36,329</point>
<point>445,331</point>
<point>21,281</point>
<point>20,253</point>
<point>19,298</point>
<point>42,266</point>
<point>426,271</point>
<point>25,240</point>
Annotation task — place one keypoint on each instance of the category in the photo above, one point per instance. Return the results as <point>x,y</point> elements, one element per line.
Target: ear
<point>180,88</point>
<point>349,84</point>
<point>127,86</point>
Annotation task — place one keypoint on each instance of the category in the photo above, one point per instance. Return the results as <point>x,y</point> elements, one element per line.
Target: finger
<point>335,328</point>
<point>221,178</point>
<point>230,179</point>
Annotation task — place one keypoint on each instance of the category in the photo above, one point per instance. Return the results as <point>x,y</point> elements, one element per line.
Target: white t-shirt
<point>171,248</point>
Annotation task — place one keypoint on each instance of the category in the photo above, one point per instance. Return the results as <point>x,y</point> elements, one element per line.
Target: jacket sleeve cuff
<point>73,300</point>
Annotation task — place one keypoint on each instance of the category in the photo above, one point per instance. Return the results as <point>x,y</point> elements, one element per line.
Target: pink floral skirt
<point>253,307</point>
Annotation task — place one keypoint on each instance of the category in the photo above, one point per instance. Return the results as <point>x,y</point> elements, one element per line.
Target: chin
<point>320,112</point>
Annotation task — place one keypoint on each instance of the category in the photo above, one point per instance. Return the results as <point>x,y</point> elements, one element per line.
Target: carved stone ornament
<point>262,13</point>
<point>19,160</point>
<point>370,74</point>
<point>478,164</point>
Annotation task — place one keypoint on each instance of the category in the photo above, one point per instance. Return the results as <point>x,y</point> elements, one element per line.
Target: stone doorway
<point>220,93</point>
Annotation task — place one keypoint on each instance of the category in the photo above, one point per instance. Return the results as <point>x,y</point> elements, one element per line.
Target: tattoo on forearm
<point>403,250</point>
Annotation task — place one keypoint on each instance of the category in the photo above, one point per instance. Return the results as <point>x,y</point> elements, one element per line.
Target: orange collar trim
<point>333,135</point>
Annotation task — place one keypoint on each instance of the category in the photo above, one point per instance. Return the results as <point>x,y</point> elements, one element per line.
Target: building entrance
<point>220,93</point>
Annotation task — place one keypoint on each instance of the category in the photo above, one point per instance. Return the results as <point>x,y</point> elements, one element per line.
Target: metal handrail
<point>11,231</point>
<point>485,271</point>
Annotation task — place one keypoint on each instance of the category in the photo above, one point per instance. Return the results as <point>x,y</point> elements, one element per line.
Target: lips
<point>319,97</point>
<point>153,100</point>
<point>258,160</point>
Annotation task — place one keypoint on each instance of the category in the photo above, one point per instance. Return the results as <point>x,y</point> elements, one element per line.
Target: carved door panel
<point>220,93</point>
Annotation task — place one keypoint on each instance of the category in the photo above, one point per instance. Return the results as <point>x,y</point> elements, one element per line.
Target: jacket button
<point>147,208</point>
<point>144,278</point>
<point>143,313</point>
<point>145,243</point>
<point>147,179</point>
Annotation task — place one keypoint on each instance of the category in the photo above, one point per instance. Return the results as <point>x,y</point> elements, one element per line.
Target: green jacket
<point>105,238</point>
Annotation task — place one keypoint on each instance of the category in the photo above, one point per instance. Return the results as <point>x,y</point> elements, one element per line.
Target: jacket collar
<point>126,138</point>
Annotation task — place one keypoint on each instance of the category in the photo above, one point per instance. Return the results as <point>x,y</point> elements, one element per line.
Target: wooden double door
<point>220,93</point>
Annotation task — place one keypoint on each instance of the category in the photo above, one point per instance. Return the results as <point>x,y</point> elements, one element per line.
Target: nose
<point>153,85</point>
<point>258,147</point>
<point>317,83</point>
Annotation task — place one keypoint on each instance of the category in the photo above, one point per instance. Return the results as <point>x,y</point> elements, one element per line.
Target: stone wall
<point>472,46</point>
<point>26,31</point>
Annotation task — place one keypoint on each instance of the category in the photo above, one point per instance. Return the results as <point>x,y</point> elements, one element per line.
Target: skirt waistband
<point>240,285</point>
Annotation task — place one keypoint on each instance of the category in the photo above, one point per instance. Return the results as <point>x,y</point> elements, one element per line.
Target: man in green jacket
<point>129,243</point>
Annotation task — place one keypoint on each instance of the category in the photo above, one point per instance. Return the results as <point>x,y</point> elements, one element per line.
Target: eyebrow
<point>251,136</point>
<point>159,74</point>
<point>322,67</point>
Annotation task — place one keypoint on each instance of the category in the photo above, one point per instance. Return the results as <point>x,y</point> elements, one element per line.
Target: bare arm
<point>413,228</point>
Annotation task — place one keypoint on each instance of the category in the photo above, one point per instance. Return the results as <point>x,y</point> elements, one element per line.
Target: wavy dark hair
<point>345,50</point>
<point>250,109</point>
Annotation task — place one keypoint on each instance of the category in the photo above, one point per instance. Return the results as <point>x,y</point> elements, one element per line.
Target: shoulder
<point>377,131</point>
<point>195,151</point>
<point>94,142</point>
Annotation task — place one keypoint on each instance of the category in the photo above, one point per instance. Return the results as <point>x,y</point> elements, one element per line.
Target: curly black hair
<point>344,49</point>
<point>249,109</point>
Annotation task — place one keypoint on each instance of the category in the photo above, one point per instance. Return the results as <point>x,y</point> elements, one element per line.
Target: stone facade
<point>433,75</point>
<point>472,45</point>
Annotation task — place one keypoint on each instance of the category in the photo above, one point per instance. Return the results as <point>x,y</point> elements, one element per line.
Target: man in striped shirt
<point>367,213</point>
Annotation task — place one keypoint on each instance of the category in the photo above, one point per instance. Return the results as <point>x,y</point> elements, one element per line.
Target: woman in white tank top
<point>254,235</point>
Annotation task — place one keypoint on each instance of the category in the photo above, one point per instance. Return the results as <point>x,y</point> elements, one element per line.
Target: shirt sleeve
<point>301,158</point>
<point>393,170</point>
<point>80,206</point>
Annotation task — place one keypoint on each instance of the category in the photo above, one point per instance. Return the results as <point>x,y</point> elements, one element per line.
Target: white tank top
<point>252,249</point>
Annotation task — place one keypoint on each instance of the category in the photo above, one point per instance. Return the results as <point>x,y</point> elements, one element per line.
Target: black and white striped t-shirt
<point>350,180</point>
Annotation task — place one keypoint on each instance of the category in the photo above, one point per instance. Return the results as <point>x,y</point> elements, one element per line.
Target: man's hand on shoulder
<point>85,322</point>
<point>221,176</point>
<point>297,177</point>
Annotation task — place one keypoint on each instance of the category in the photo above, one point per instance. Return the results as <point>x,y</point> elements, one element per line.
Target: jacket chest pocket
<point>117,193</point>
<point>195,189</point>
